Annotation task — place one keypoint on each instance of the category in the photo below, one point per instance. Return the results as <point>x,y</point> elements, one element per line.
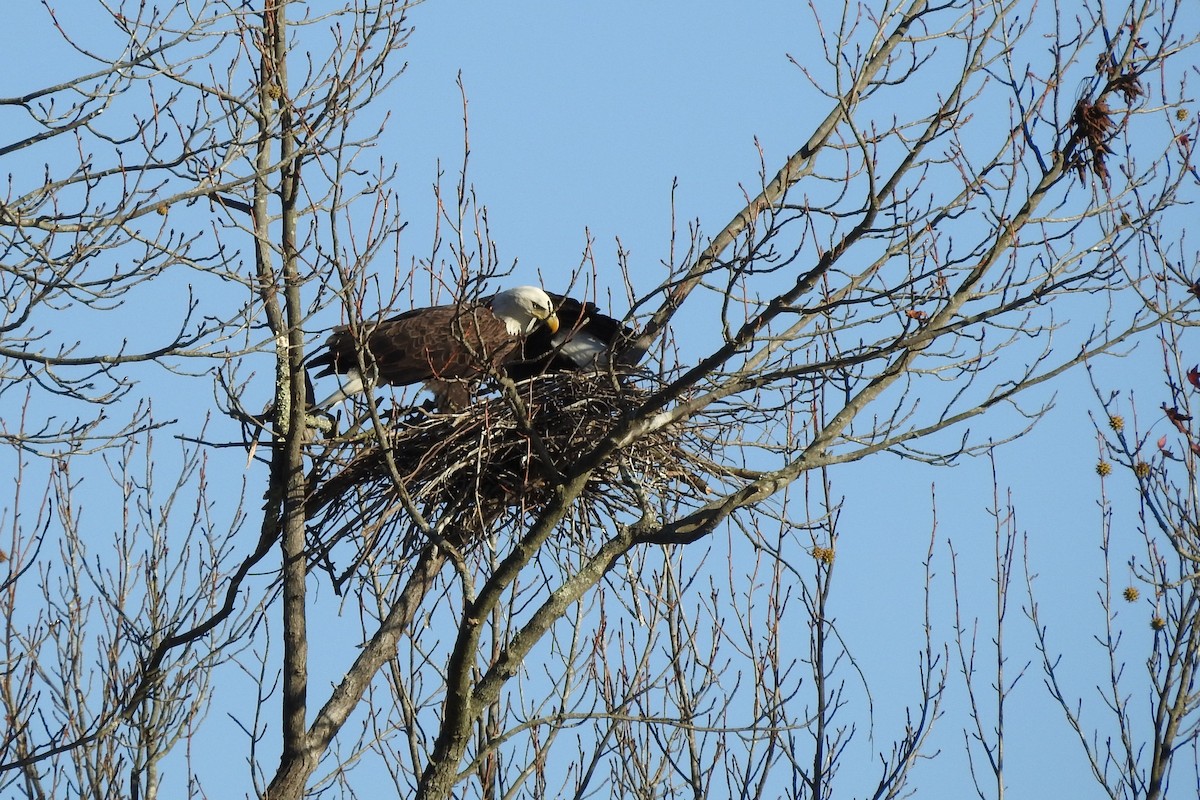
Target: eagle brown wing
<point>443,342</point>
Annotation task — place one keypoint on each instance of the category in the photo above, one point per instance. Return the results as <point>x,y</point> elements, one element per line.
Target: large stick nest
<point>467,474</point>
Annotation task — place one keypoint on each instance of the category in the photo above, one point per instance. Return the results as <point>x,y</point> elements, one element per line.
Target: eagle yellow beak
<point>552,322</point>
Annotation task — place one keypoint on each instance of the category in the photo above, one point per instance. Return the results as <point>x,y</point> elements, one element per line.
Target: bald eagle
<point>585,339</point>
<point>448,346</point>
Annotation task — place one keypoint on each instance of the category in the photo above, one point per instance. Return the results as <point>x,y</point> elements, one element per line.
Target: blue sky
<point>582,117</point>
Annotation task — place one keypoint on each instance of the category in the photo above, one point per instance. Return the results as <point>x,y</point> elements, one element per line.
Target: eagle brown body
<point>414,346</point>
<point>446,347</point>
<point>525,331</point>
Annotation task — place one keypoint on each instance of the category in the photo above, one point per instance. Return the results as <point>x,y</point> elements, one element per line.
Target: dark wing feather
<point>442,342</point>
<point>540,355</point>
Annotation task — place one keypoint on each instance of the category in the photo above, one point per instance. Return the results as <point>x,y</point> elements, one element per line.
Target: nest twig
<point>475,471</point>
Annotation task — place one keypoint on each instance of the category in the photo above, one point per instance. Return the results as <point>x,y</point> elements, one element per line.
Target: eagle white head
<point>522,308</point>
